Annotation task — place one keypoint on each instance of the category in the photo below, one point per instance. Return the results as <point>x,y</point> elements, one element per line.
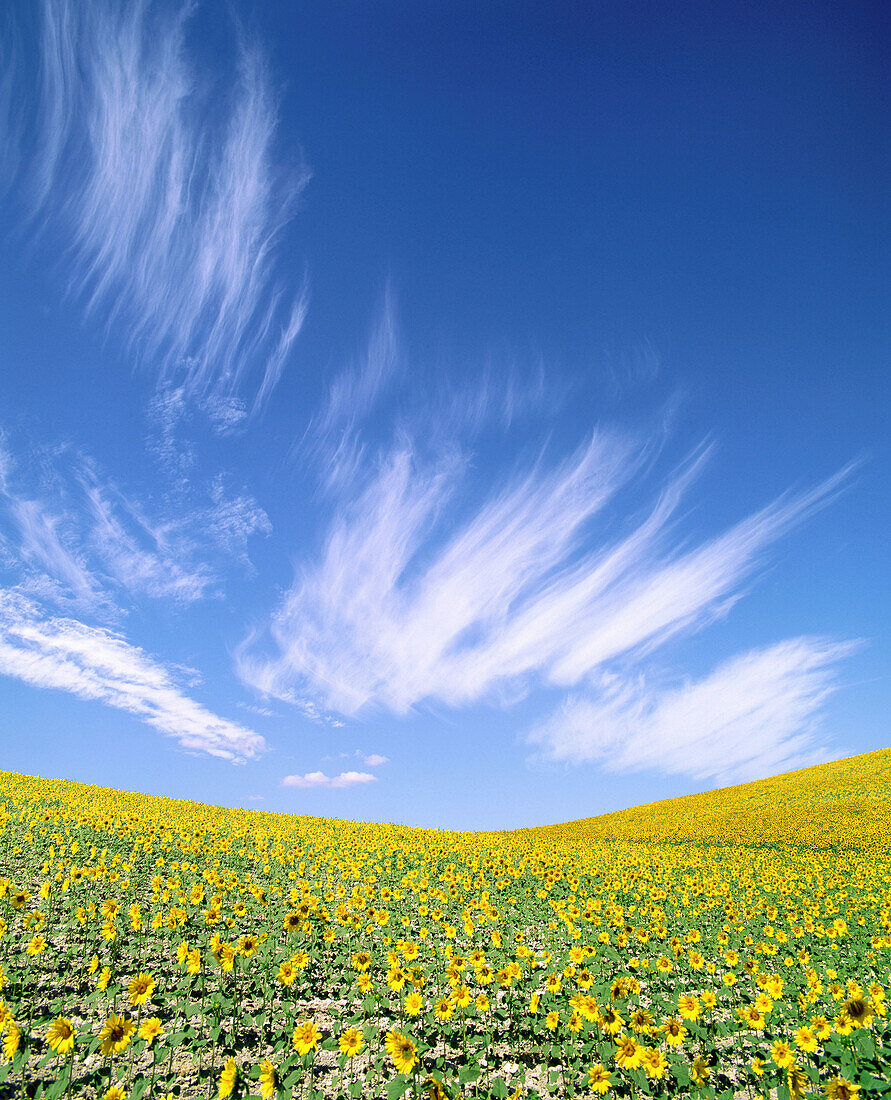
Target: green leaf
<point>56,1088</point>
<point>468,1073</point>
<point>874,1084</point>
<point>639,1078</point>
<point>865,1043</point>
<point>499,1088</point>
<point>680,1072</point>
<point>397,1087</point>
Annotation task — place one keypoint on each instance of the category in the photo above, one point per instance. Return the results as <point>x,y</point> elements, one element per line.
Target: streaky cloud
<point>358,629</point>
<point>143,558</point>
<point>333,441</point>
<point>277,358</point>
<point>355,391</point>
<point>756,715</point>
<point>450,414</point>
<point>173,204</point>
<point>82,542</point>
<point>93,663</point>
<point>685,591</point>
<point>407,603</point>
<point>42,546</point>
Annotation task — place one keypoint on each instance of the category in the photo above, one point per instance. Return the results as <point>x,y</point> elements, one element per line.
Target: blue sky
<point>471,416</point>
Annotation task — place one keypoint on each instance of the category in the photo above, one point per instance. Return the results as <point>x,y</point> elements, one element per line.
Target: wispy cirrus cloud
<point>354,392</point>
<point>72,541</point>
<point>339,441</point>
<point>141,557</point>
<point>42,547</point>
<point>319,779</point>
<point>92,663</point>
<point>333,441</point>
<point>755,715</point>
<point>78,540</point>
<point>404,607</point>
<point>172,195</point>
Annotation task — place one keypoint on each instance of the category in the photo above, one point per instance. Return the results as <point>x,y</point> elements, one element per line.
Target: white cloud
<point>85,538</point>
<point>97,664</point>
<point>224,411</point>
<point>755,715</point>
<point>174,204</point>
<point>142,557</point>
<point>375,760</point>
<point>287,335</point>
<point>6,463</point>
<point>263,712</point>
<point>230,521</point>
<point>359,631</point>
<point>337,441</point>
<point>332,441</point>
<point>167,410</point>
<point>402,608</point>
<point>354,392</point>
<point>497,398</point>
<point>42,545</point>
<point>319,779</point>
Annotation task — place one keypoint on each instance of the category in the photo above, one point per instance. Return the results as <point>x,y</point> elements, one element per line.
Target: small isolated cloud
<point>48,651</point>
<point>755,715</point>
<point>319,779</point>
<point>373,761</point>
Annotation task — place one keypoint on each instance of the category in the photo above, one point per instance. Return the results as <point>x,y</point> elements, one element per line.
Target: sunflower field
<point>733,944</point>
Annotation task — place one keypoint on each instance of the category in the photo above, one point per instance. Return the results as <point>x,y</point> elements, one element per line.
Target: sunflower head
<point>858,1010</point>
